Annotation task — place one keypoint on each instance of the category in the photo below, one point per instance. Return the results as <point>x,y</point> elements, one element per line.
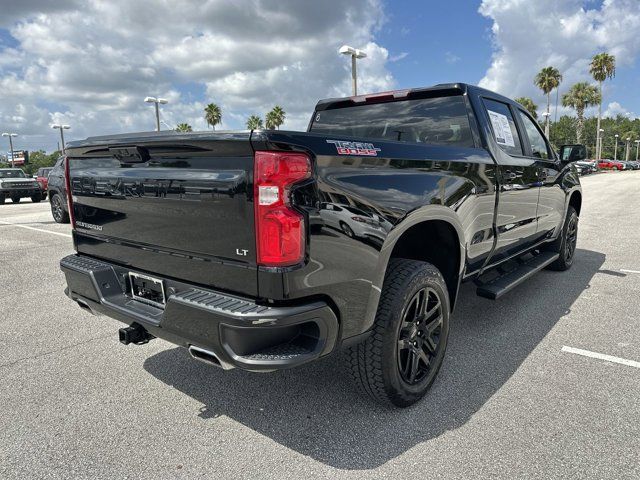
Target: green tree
<point>270,120</point>
<point>39,159</point>
<point>528,104</point>
<point>580,96</point>
<point>184,127</point>
<point>254,122</point>
<point>602,66</point>
<point>279,115</point>
<point>546,80</point>
<point>212,115</point>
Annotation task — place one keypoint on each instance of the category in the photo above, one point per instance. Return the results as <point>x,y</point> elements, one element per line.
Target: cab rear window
<point>438,121</point>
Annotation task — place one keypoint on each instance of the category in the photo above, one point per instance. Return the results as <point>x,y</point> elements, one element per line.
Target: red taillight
<point>280,233</point>
<point>67,181</point>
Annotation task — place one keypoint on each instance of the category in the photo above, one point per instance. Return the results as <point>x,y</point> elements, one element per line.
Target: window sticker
<point>501,128</point>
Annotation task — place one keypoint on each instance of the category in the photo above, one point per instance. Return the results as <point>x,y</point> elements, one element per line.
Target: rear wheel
<point>565,244</point>
<point>397,364</point>
<point>57,209</point>
<point>15,199</point>
<point>347,230</point>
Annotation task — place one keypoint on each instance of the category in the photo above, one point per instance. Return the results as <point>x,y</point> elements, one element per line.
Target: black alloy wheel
<point>419,336</point>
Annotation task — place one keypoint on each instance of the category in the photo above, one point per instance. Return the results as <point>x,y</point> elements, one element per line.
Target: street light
<point>156,101</point>
<point>10,135</point>
<point>637,148</point>
<point>626,153</point>
<point>615,151</point>
<point>599,145</point>
<point>62,128</point>
<point>355,53</point>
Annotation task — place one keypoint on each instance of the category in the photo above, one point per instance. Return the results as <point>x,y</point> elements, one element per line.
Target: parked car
<point>57,189</point>
<point>629,165</point>
<point>352,221</point>
<point>42,177</point>
<point>202,239</point>
<point>634,164</point>
<point>611,165</point>
<point>14,184</point>
<point>586,167</point>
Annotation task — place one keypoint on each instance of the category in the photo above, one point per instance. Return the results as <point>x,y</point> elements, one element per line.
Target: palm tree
<point>212,115</point>
<point>580,96</point>
<point>602,66</point>
<point>270,120</point>
<point>279,115</point>
<point>184,127</point>
<point>254,122</point>
<point>528,104</point>
<point>546,80</point>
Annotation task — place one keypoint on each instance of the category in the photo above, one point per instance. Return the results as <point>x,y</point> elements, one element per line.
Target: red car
<point>42,177</point>
<point>611,164</point>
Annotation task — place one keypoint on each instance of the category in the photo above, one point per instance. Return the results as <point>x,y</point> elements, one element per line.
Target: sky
<point>90,63</point>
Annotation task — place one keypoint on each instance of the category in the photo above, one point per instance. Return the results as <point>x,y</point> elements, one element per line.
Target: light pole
<point>615,151</point>
<point>626,152</point>
<point>62,128</point>
<point>156,101</point>
<point>599,147</point>
<point>637,148</point>
<point>355,53</point>
<point>10,135</point>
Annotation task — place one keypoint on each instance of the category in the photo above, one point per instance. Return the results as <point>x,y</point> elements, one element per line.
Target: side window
<point>539,147</point>
<point>504,127</point>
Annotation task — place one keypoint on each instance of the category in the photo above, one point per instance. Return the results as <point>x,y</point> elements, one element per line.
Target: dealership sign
<point>19,157</point>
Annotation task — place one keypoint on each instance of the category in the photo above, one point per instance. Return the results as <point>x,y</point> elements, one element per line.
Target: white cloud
<point>614,109</point>
<point>451,58</point>
<point>397,58</point>
<point>91,67</point>
<point>529,35</point>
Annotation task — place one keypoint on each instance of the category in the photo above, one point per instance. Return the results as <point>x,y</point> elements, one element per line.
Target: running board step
<point>497,287</point>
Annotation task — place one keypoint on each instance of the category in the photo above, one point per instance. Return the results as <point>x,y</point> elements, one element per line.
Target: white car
<point>353,222</point>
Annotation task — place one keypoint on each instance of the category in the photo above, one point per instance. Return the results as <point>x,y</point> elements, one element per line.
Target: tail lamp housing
<point>280,230</point>
<point>67,181</point>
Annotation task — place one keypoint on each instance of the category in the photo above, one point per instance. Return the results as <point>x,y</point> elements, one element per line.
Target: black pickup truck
<point>264,250</point>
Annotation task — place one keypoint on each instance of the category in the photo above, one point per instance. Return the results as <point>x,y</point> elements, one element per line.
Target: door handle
<point>509,175</point>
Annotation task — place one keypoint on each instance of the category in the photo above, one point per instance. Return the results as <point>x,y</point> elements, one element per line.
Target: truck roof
<point>441,89</point>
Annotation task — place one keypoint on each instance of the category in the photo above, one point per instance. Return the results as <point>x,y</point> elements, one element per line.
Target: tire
<point>37,198</point>
<point>565,244</point>
<point>383,365</point>
<point>15,199</point>
<point>2,199</point>
<point>57,209</point>
<point>348,231</point>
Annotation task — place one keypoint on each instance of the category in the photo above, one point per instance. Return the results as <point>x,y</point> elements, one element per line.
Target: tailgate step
<point>495,288</point>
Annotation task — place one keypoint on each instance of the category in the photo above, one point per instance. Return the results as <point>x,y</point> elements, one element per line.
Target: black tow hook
<point>135,334</point>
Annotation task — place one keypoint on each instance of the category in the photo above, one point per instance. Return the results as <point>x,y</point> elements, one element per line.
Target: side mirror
<point>572,153</point>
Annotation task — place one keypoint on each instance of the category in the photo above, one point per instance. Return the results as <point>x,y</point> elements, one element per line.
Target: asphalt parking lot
<point>509,402</point>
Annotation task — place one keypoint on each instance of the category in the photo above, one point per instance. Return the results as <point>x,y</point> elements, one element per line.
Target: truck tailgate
<point>178,206</point>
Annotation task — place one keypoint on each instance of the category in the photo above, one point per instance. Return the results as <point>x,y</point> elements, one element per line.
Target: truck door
<point>552,197</point>
<point>519,184</point>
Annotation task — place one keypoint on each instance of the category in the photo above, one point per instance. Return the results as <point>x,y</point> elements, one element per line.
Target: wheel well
<point>576,201</point>
<point>436,242</point>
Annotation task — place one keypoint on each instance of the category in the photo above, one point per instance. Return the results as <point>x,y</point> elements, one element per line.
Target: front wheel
<point>399,361</point>
<point>15,199</point>
<point>565,244</point>
<point>37,198</point>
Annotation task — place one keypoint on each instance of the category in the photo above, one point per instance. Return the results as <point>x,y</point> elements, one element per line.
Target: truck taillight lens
<point>67,182</point>
<point>280,233</point>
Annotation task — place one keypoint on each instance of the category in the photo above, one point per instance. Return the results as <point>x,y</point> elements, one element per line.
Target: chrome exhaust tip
<point>208,357</point>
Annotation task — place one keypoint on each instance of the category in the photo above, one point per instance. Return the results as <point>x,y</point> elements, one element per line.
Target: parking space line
<point>629,271</point>
<point>601,356</point>
<point>36,229</point>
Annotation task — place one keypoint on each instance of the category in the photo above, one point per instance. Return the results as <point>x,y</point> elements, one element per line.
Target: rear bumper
<point>238,331</point>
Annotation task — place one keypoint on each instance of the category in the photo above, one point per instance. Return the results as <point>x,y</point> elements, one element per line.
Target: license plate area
<point>147,289</point>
